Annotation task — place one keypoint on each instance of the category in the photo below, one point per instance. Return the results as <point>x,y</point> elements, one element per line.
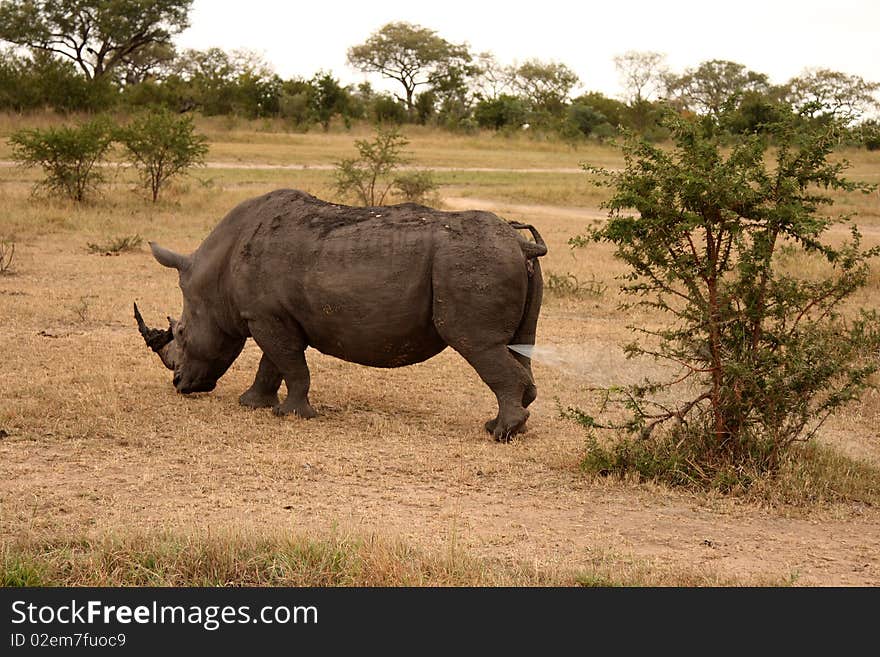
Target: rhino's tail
<point>525,332</point>
<point>534,249</point>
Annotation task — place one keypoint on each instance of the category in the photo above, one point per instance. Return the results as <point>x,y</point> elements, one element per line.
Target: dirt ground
<point>96,442</point>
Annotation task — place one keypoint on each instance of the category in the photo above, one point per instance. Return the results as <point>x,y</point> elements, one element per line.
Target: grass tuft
<point>810,473</point>
<point>117,245</point>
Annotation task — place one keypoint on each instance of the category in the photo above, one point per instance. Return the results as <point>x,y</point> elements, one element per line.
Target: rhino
<point>380,286</point>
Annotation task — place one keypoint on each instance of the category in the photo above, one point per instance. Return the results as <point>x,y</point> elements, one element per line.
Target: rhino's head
<point>195,347</point>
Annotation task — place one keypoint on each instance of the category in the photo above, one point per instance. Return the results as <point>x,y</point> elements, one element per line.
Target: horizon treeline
<point>127,61</point>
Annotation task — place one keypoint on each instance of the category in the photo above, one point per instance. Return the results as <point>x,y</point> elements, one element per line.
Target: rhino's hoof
<point>253,399</point>
<point>503,432</point>
<point>300,410</point>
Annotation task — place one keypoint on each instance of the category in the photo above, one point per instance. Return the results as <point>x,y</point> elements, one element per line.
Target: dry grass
<point>396,473</point>
<point>223,559</point>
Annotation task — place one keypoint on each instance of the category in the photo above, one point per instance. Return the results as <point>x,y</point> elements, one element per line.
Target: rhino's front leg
<point>285,347</point>
<point>263,393</point>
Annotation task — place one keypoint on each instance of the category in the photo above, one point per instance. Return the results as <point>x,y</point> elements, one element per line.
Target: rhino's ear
<point>168,258</point>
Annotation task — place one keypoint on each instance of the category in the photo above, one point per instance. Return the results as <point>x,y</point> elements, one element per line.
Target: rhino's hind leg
<point>263,392</point>
<point>509,380</point>
<point>287,356</point>
<point>298,380</point>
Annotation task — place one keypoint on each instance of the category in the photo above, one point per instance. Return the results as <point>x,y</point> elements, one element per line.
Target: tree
<point>69,156</point>
<point>869,134</point>
<point>500,112</point>
<point>42,80</point>
<point>756,111</point>
<point>616,112</point>
<point>161,145</point>
<point>410,54</point>
<point>831,94</point>
<point>453,96</point>
<point>585,119</point>
<point>328,98</point>
<point>545,85</point>
<point>491,80</point>
<point>385,108</point>
<point>717,245</point>
<point>18,89</point>
<point>714,86</point>
<point>147,63</point>
<point>295,102</point>
<point>415,186</point>
<point>642,74</point>
<point>220,82</point>
<point>98,35</point>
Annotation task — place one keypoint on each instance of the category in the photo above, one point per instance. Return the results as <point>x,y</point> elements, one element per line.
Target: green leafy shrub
<point>162,145</point>
<point>369,177</point>
<point>501,112</point>
<point>759,355</point>
<point>70,156</point>
<point>416,186</point>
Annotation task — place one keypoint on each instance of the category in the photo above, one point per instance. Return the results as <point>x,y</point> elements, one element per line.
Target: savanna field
<point>108,477</point>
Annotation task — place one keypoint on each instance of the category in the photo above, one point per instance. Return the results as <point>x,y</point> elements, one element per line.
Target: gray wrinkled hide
<point>384,287</point>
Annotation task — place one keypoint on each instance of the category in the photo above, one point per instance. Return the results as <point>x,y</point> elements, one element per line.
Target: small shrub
<point>368,177</point>
<point>69,155</point>
<point>161,145</point>
<point>568,285</point>
<point>672,458</point>
<point>807,473</point>
<point>416,186</point>
<point>388,111</point>
<point>117,245</point>
<point>7,252</point>
<point>81,309</point>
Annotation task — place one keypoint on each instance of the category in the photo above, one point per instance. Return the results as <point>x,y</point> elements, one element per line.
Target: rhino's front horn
<point>158,340</point>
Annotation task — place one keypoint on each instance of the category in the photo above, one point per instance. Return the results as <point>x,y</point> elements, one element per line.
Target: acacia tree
<point>546,85</point>
<point>717,245</point>
<point>831,94</point>
<point>98,35</point>
<point>491,79</point>
<point>411,54</point>
<point>642,73</point>
<point>150,62</point>
<point>714,86</point>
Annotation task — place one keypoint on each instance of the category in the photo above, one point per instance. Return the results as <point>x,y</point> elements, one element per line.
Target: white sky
<point>777,37</point>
